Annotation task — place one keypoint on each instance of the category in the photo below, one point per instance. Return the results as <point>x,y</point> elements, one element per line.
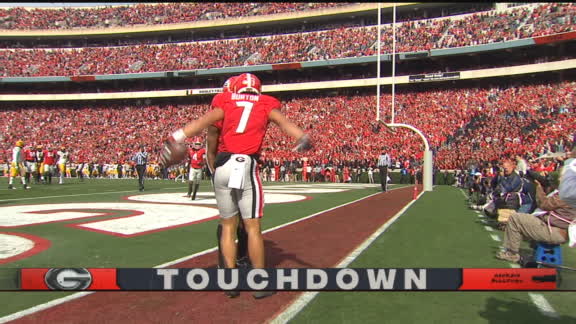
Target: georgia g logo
<point>68,279</point>
<point>240,159</point>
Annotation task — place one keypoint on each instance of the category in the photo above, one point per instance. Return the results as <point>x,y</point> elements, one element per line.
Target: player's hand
<point>303,144</point>
<point>172,153</point>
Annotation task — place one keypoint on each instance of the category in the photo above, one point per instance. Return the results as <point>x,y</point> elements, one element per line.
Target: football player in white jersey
<point>63,157</point>
<point>17,166</point>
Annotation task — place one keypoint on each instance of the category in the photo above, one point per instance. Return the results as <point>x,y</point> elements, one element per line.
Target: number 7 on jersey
<point>247,105</point>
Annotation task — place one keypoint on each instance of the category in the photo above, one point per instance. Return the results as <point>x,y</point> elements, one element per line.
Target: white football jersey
<point>17,154</point>
<point>62,157</point>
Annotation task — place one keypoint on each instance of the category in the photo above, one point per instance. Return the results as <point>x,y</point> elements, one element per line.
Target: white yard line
<point>77,295</point>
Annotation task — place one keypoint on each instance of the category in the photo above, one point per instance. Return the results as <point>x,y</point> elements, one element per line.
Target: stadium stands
<point>485,123</point>
<point>331,44</point>
<point>482,123</point>
<point>19,18</point>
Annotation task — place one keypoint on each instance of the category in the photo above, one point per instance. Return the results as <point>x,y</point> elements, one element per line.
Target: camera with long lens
<point>535,176</point>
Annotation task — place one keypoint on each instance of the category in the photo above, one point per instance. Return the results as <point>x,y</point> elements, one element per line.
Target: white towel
<point>238,161</point>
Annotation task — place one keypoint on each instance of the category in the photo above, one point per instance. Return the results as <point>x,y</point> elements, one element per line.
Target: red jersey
<point>218,125</point>
<point>245,121</point>
<point>345,174</point>
<point>49,157</point>
<point>30,155</point>
<point>196,157</point>
<point>277,172</point>
<point>80,158</point>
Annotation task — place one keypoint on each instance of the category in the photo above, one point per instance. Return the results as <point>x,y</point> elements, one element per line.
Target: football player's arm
<point>302,140</point>
<point>212,146</point>
<point>174,148</point>
<point>195,127</point>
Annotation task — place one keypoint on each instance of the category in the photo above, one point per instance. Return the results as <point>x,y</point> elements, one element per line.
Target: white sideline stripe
<point>489,229</point>
<point>495,237</point>
<point>539,300</point>
<point>44,306</point>
<point>298,305</point>
<point>543,305</point>
<point>56,302</point>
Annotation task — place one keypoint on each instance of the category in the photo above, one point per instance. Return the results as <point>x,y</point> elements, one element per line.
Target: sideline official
<point>383,164</point>
<point>141,159</point>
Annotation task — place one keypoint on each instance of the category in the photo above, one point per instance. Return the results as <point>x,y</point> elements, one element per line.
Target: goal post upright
<point>428,156</point>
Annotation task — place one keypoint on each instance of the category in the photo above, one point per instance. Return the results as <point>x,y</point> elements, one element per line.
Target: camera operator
<point>475,190</point>
<point>509,192</point>
<point>548,224</point>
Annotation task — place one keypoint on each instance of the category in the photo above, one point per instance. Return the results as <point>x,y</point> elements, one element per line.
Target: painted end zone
<point>207,198</point>
<point>16,246</point>
<point>141,218</point>
<point>321,241</point>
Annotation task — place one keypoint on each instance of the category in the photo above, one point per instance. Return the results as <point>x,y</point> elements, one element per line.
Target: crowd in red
<point>148,14</point>
<point>549,19</point>
<point>331,44</point>
<point>460,124</point>
<point>512,124</point>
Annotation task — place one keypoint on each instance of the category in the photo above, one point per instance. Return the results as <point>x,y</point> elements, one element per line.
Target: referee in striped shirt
<point>141,159</point>
<point>383,164</point>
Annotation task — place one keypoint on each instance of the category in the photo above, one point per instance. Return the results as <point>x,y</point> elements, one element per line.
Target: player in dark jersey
<point>245,114</point>
<point>38,175</point>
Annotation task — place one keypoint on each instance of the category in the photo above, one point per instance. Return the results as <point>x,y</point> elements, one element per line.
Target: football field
<point>104,223</point>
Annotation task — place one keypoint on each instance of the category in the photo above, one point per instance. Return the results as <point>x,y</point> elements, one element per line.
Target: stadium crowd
<point>330,44</point>
<point>103,16</point>
<point>483,123</point>
<point>411,67</point>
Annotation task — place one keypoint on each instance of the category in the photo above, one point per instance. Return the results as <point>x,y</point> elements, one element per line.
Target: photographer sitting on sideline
<point>548,224</point>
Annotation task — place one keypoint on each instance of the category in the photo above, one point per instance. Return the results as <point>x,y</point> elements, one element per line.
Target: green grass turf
<point>73,247</point>
<point>437,231</point>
